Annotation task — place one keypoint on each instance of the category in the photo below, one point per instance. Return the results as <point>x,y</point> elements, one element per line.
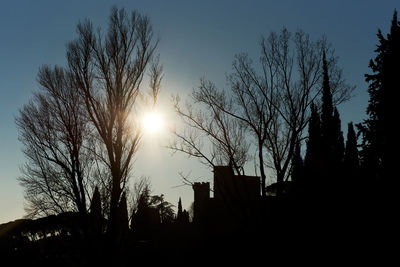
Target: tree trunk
<point>262,171</point>
<point>279,182</point>
<point>115,195</point>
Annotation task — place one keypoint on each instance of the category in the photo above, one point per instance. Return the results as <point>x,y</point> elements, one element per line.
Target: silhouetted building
<point>234,187</point>
<point>201,200</point>
<point>236,198</point>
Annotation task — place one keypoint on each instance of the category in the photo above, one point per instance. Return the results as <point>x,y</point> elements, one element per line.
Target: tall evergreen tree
<point>313,153</point>
<point>327,108</point>
<point>313,159</point>
<point>351,162</point>
<point>297,164</point>
<point>332,143</point>
<point>327,124</point>
<point>378,131</point>
<point>123,221</point>
<point>325,146</point>
<point>338,142</point>
<point>179,215</point>
<point>96,215</point>
<point>185,217</point>
<point>182,216</point>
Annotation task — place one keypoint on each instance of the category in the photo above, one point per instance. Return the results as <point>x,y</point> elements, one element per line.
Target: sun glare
<point>152,123</point>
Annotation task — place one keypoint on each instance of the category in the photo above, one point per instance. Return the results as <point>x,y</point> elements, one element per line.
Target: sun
<point>153,122</point>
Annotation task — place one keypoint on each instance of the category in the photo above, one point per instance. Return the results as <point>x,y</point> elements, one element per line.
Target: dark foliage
<point>351,161</point>
<point>378,131</point>
<point>297,164</point>
<point>96,223</point>
<point>182,216</point>
<point>314,157</point>
<point>332,146</point>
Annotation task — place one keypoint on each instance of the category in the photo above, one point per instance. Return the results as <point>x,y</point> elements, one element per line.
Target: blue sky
<point>197,38</point>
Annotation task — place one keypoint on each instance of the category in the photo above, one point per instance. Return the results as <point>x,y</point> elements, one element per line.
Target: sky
<point>197,39</point>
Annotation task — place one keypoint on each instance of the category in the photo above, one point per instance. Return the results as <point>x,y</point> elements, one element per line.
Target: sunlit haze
<point>153,122</point>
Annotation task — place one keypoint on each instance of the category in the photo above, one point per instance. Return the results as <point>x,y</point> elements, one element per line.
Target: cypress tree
<point>378,131</point>
<point>298,172</point>
<point>96,216</point>
<point>179,215</point>
<point>351,162</point>
<point>328,122</point>
<point>185,217</point>
<point>313,158</point>
<point>327,107</point>
<point>297,164</point>
<point>179,206</point>
<point>314,139</point>
<point>332,142</point>
<point>338,143</point>
<point>123,221</point>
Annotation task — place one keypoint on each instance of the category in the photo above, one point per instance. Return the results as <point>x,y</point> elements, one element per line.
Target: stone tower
<point>201,200</point>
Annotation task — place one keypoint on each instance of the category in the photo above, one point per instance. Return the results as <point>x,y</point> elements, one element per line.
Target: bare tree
<point>108,71</point>
<point>225,134</point>
<point>53,129</point>
<point>289,81</point>
<point>271,100</point>
<point>141,189</point>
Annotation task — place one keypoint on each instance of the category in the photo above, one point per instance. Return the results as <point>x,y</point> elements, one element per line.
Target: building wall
<point>201,199</point>
<point>235,198</point>
<point>228,185</point>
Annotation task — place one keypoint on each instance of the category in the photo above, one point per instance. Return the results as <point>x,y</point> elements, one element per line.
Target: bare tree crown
<point>266,104</point>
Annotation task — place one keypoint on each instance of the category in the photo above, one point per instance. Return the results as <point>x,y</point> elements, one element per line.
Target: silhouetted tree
<point>338,148</point>
<point>351,161</point>
<point>143,217</point>
<point>272,104</point>
<point>327,108</point>
<point>351,168</point>
<point>108,71</point>
<point>226,134</point>
<point>378,131</point>
<point>96,215</point>
<point>297,165</point>
<point>150,213</point>
<point>313,159</point>
<point>182,216</point>
<point>123,223</point>
<point>141,190</point>
<point>328,133</point>
<point>332,143</point>
<point>179,214</point>
<point>184,219</point>
<point>164,208</point>
<point>54,132</point>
